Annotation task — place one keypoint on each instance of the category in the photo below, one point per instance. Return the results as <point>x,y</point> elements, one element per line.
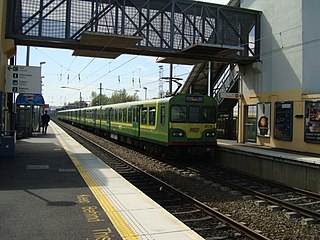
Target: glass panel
<point>208,115</point>
<point>129,115</point>
<point>112,115</point>
<point>163,115</point>
<point>178,114</point>
<point>152,115</point>
<point>251,123</point>
<point>194,114</point>
<point>144,116</point>
<point>116,115</point>
<point>120,115</point>
<point>125,115</point>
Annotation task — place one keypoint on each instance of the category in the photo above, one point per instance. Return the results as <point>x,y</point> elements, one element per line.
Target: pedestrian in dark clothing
<point>45,119</point>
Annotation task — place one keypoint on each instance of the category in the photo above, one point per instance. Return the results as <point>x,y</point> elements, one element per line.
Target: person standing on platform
<point>45,119</point>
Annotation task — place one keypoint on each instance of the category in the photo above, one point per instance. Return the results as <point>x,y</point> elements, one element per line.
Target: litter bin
<point>7,145</point>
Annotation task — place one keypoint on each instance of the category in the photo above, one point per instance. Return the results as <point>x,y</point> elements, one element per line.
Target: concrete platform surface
<point>56,189</point>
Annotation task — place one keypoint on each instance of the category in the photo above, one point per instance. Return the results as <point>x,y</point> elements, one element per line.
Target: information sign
<point>230,95</point>
<point>23,79</point>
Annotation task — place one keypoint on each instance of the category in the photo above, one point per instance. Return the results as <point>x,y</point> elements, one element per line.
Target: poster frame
<point>284,121</point>
<point>312,121</point>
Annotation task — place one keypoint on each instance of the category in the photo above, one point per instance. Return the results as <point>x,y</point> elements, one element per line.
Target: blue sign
<point>30,99</point>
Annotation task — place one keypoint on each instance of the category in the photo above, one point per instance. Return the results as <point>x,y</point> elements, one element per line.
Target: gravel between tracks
<point>274,225</point>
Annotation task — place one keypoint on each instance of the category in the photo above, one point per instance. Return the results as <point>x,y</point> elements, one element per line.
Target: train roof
<point>141,102</point>
<point>136,103</point>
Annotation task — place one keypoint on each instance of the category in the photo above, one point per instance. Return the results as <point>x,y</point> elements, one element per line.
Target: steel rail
<point>262,196</point>
<point>212,212</point>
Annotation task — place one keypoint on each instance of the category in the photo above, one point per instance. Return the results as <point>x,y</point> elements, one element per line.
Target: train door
<point>136,121</point>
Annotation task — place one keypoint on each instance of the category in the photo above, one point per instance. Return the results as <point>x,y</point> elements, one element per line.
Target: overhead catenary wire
<point>262,38</point>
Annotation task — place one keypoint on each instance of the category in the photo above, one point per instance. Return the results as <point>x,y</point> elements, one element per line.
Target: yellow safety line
<point>116,218</point>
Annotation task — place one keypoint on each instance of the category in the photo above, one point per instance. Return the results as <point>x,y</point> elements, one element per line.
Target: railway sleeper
<point>200,219</point>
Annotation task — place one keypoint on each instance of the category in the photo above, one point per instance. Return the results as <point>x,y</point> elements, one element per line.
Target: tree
<point>122,96</point>
<point>116,97</point>
<point>98,100</point>
<point>76,104</point>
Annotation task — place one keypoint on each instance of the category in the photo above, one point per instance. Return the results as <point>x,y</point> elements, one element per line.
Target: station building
<point>280,104</point>
<point>284,85</point>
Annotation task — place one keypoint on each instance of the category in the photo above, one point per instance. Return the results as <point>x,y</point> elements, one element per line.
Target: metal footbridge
<point>175,31</point>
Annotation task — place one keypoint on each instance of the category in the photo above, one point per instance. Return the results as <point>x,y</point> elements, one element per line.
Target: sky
<point>82,75</point>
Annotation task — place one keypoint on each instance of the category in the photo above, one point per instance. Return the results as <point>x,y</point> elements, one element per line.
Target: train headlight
<point>210,134</point>
<point>178,134</point>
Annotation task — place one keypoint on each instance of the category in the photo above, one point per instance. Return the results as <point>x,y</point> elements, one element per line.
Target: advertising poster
<point>263,119</point>
<point>283,119</point>
<point>312,121</point>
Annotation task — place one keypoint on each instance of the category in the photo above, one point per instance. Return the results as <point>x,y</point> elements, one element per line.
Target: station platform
<point>292,168</point>
<point>270,152</point>
<point>53,188</point>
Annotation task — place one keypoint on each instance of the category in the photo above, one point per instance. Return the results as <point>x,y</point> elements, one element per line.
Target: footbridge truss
<point>176,31</point>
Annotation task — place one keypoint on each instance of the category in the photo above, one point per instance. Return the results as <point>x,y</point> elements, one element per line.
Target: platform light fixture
<point>78,89</point>
<point>145,92</point>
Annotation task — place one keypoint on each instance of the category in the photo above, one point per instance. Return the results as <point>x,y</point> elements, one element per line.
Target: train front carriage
<point>192,126</point>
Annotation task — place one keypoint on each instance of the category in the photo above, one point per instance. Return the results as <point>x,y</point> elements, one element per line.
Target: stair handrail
<point>225,82</point>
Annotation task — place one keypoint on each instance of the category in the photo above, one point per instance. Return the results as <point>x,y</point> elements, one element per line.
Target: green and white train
<point>177,125</point>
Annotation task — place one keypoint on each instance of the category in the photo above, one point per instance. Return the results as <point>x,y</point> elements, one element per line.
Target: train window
<point>116,111</point>
<point>120,115</point>
<point>106,114</point>
<point>194,114</point>
<point>144,115</point>
<point>152,115</point>
<point>112,115</point>
<point>178,114</point>
<point>208,115</point>
<point>129,115</point>
<point>162,115</point>
<point>134,115</point>
<point>125,115</point>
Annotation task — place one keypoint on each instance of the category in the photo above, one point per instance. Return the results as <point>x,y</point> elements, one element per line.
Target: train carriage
<point>177,124</point>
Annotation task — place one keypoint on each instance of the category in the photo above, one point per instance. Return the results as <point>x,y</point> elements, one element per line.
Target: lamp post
<point>111,89</point>
<point>145,92</point>
<point>78,89</point>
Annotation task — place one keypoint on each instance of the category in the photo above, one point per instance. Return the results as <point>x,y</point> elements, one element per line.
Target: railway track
<point>206,221</point>
<point>279,200</point>
<point>294,200</point>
